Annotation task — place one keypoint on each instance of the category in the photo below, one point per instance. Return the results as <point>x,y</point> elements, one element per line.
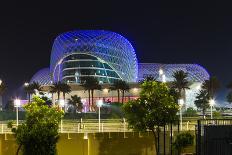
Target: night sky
<point>171,32</point>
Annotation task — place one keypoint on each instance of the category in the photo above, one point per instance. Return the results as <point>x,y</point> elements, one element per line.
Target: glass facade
<point>76,66</point>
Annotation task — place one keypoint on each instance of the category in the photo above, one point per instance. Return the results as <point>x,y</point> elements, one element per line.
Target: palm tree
<point>180,82</point>
<point>32,88</point>
<point>56,87</point>
<point>117,86</point>
<point>90,84</point>
<point>2,91</point>
<point>75,101</point>
<point>148,78</point>
<point>120,86</point>
<point>211,86</point>
<point>124,87</point>
<point>36,86</point>
<point>66,89</point>
<point>52,91</point>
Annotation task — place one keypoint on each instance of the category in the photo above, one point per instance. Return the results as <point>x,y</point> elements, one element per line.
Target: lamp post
<point>211,103</point>
<point>99,104</point>
<point>181,103</point>
<point>26,84</point>
<point>61,105</point>
<point>17,104</point>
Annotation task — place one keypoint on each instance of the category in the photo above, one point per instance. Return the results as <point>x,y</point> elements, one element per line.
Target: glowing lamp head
<point>99,103</point>
<point>26,84</point>
<point>211,102</point>
<point>17,102</point>
<point>161,72</point>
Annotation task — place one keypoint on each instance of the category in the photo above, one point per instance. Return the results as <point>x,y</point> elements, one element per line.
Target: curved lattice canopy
<point>110,47</point>
<point>42,77</point>
<point>196,73</point>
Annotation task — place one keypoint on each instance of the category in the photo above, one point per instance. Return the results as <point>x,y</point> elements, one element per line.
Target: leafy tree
<point>183,140</point>
<point>38,135</point>
<point>180,82</point>
<point>155,107</point>
<point>120,86</point>
<point>75,101</point>
<point>90,84</point>
<point>202,101</point>
<point>190,112</point>
<point>229,97</point>
<point>211,86</point>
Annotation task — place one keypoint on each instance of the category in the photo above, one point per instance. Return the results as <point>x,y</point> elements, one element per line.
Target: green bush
<point>183,140</point>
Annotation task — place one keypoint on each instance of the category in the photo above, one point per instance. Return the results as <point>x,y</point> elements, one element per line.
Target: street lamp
<point>161,72</point>
<point>181,103</point>
<point>99,104</point>
<point>26,84</point>
<point>211,103</point>
<point>61,105</point>
<point>17,104</point>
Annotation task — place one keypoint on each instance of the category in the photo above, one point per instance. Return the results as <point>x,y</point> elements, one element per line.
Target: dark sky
<point>166,32</point>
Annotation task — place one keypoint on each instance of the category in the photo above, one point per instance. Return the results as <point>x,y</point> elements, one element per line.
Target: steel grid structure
<point>42,77</point>
<point>109,47</point>
<point>196,73</point>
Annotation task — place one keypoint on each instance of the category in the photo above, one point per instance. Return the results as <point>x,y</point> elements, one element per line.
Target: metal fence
<point>214,137</point>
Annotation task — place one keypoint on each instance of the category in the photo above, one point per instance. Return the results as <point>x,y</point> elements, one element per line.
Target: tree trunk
<point>64,95</point>
<point>53,103</point>
<point>92,99</point>
<point>123,92</point>
<point>89,101</point>
<point>118,95</point>
<point>156,142</point>
<point>203,113</point>
<point>18,149</point>
<point>58,95</point>
<point>29,97</point>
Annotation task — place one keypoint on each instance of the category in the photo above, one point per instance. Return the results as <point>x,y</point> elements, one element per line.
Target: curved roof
<point>108,46</point>
<point>196,73</point>
<point>42,77</point>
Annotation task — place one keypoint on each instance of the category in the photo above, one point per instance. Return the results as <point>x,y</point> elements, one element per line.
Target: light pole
<point>99,104</point>
<point>26,84</point>
<point>211,103</point>
<point>181,103</point>
<point>17,104</point>
<point>162,75</point>
<point>61,105</point>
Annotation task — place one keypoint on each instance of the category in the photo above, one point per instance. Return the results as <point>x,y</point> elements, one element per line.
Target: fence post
<point>198,137</point>
<point>171,138</point>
